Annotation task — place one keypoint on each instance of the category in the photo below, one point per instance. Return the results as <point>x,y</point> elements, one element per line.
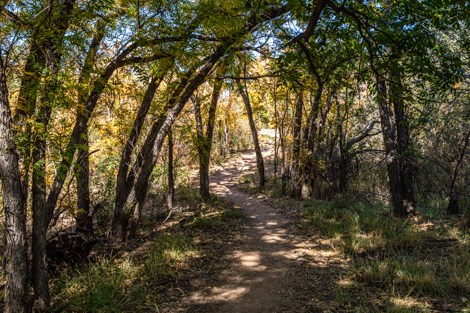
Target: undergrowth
<point>115,285</point>
<point>137,282</point>
<point>405,258</point>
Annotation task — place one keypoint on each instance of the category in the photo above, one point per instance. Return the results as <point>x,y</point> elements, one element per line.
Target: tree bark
<point>403,143</point>
<point>15,259</point>
<point>276,131</point>
<point>203,152</point>
<point>122,179</point>
<point>344,158</point>
<point>170,198</point>
<point>388,133</point>
<point>254,133</point>
<point>204,139</point>
<point>84,218</point>
<point>453,206</point>
<point>295,191</point>
<point>311,138</point>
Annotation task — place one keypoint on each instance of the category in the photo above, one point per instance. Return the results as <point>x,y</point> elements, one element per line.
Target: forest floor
<point>251,251</point>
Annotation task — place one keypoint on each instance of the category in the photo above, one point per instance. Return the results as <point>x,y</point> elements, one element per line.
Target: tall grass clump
<point>106,286</point>
<point>168,257</point>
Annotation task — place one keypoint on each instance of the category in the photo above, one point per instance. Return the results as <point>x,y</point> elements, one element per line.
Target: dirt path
<point>273,270</point>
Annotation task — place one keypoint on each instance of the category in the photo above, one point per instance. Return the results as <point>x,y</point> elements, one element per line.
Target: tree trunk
<point>276,148</point>
<point>310,162</point>
<point>254,133</point>
<point>403,145</point>
<point>388,133</point>
<point>282,144</point>
<point>204,139</point>
<point>43,60</point>
<point>84,218</point>
<point>170,198</point>
<point>39,231</point>
<point>344,158</point>
<point>52,56</point>
<point>295,173</point>
<point>453,206</point>
<point>122,179</point>
<point>15,259</point>
<point>203,152</point>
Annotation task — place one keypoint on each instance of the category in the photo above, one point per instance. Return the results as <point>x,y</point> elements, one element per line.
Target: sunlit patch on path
<point>268,271</point>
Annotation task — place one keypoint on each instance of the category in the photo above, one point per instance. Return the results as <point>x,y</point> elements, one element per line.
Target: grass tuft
<point>102,287</point>
<point>399,256</point>
<point>168,257</point>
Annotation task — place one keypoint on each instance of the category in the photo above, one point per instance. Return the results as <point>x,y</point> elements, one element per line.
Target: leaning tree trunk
<point>15,260</point>
<point>122,179</point>
<point>81,124</point>
<point>204,144</point>
<point>254,133</point>
<point>170,198</point>
<point>138,178</point>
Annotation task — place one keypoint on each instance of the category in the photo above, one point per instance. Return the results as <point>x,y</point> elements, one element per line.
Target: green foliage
<point>216,220</point>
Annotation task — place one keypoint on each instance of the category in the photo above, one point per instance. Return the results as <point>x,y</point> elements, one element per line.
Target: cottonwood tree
<point>15,257</point>
<point>205,131</point>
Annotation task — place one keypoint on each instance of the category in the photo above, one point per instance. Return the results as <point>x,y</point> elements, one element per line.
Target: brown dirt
<point>275,269</point>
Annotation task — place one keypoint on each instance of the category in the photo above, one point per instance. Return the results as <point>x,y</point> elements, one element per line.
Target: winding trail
<point>273,270</point>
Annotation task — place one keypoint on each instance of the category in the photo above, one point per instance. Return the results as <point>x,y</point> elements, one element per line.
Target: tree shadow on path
<point>273,270</point>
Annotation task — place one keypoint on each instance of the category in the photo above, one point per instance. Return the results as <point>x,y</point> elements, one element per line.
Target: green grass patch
<point>206,222</point>
<point>217,215</point>
<point>139,282</point>
<point>124,285</point>
<point>168,257</point>
<point>233,214</point>
<point>102,287</point>
<point>403,257</point>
